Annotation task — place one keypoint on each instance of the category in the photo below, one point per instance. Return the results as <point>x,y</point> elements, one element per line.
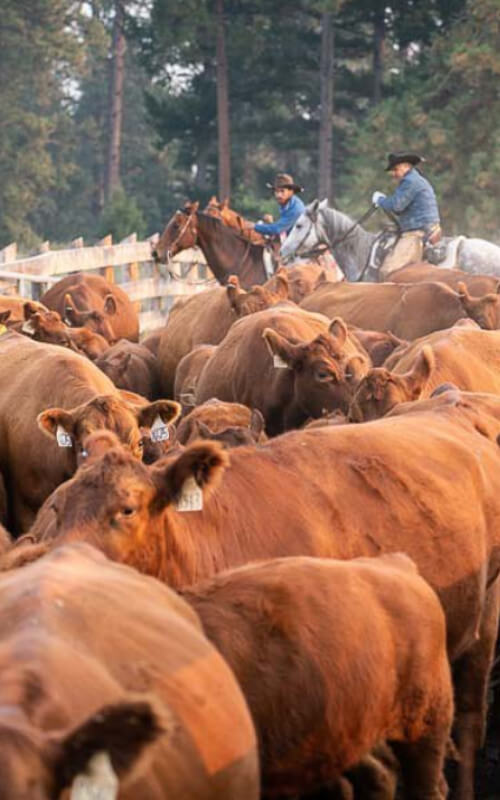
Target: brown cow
<point>132,367</point>
<point>203,318</point>
<point>302,279</point>
<point>35,458</point>
<point>141,704</point>
<point>187,373</point>
<point>84,299</point>
<point>340,492</point>
<point>378,345</point>
<point>333,656</point>
<point>469,358</point>
<point>48,327</point>
<point>408,310</point>
<point>16,306</point>
<point>287,363</point>
<point>216,417</point>
<point>244,302</point>
<point>477,285</point>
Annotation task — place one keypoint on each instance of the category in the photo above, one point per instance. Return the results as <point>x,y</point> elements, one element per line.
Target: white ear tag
<point>28,327</point>
<point>159,431</point>
<point>191,496</point>
<point>279,362</point>
<point>63,438</point>
<point>100,782</point>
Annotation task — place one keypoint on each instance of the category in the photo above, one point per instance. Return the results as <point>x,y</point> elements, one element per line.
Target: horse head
<point>181,232</point>
<point>307,233</point>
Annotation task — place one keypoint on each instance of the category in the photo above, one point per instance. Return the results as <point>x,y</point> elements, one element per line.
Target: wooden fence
<point>150,286</point>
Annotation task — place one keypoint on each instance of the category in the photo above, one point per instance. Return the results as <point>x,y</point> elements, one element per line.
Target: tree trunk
<point>115,104</point>
<point>223,130</point>
<point>378,52</point>
<point>325,160</point>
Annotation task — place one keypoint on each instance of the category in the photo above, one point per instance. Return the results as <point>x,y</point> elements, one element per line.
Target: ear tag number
<point>187,399</point>
<point>278,362</point>
<point>28,327</point>
<point>191,497</point>
<point>63,438</point>
<point>159,431</point>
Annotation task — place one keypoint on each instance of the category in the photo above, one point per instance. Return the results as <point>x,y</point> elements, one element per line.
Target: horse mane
<point>221,230</point>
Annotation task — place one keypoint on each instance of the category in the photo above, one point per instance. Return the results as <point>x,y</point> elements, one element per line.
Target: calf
<point>132,367</point>
<point>104,700</point>
<point>214,417</point>
<point>362,644</point>
<point>48,327</point>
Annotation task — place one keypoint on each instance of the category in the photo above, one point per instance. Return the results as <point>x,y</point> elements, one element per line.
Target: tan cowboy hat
<point>284,181</point>
<point>402,158</point>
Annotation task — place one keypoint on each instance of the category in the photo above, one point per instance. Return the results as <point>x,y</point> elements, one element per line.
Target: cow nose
<point>155,255</point>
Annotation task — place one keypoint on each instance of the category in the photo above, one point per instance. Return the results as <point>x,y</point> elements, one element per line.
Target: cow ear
<point>355,369</point>
<point>95,755</point>
<point>418,376</point>
<point>168,411</point>
<point>71,314</point>
<point>30,309</point>
<point>201,462</point>
<point>234,292</point>
<point>4,316</point>
<point>338,329</point>
<point>257,423</point>
<point>110,304</point>
<point>281,349</point>
<point>56,422</point>
<point>281,285</point>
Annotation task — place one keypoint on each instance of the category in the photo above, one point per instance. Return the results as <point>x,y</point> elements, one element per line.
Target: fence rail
<point>128,264</point>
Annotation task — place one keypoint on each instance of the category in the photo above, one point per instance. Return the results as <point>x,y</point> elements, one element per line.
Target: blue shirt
<point>414,202</point>
<point>289,215</point>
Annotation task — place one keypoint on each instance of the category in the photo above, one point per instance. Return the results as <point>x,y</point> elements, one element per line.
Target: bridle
<point>181,233</point>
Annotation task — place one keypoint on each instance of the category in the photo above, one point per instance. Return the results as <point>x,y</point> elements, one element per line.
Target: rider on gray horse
<point>415,205</point>
<point>285,191</point>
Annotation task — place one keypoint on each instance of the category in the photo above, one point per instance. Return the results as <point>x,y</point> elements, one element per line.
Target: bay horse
<point>227,252</point>
<point>233,219</point>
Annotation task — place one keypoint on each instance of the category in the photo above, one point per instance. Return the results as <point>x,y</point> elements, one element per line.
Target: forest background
<point>113,113</point>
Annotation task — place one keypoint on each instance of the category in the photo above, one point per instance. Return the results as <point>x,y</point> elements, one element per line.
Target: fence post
<point>8,253</point>
<point>109,272</point>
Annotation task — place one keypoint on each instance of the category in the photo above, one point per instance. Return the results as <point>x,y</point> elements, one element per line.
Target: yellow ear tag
<point>3,330</point>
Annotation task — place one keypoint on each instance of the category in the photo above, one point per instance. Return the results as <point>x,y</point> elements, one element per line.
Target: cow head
<point>483,310</point>
<point>116,503</point>
<point>71,427</point>
<point>326,370</point>
<point>95,320</point>
<point>232,435</point>
<point>380,390</point>
<point>181,232</point>
<point>91,759</point>
<point>258,297</point>
<point>45,326</point>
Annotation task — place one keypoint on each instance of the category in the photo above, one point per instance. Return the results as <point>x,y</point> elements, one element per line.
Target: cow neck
<point>227,253</point>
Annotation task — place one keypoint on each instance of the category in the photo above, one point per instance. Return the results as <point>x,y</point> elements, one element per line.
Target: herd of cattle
<point>256,554</point>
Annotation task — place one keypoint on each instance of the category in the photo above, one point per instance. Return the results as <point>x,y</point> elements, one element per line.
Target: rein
<point>180,234</point>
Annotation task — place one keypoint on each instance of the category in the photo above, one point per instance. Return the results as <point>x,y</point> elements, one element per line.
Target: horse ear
<point>195,207</point>
<point>312,209</point>
<point>323,204</point>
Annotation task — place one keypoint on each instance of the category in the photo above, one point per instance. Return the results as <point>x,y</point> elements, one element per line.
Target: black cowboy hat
<point>402,158</point>
<point>284,181</point>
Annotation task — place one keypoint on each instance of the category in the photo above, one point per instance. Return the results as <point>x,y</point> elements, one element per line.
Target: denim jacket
<point>289,215</point>
<point>414,202</point>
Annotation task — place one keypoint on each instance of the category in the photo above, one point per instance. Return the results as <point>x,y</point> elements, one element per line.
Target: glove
<point>376,197</point>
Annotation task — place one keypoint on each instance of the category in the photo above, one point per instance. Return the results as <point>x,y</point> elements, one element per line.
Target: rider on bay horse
<point>285,191</point>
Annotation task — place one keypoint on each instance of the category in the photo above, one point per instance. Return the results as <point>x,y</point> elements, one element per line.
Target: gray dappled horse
<point>352,244</point>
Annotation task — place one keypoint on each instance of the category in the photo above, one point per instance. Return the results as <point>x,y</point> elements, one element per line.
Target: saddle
<point>384,243</point>
<point>445,252</point>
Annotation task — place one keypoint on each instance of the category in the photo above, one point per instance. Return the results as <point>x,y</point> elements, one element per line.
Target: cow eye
<point>128,511</point>
<point>324,375</point>
<point>84,453</point>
